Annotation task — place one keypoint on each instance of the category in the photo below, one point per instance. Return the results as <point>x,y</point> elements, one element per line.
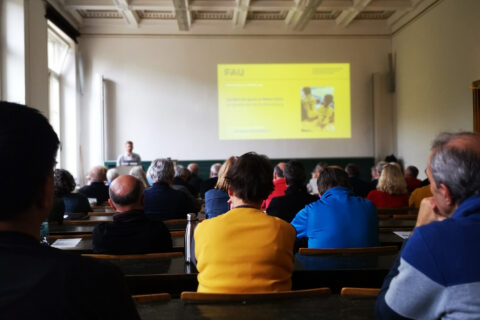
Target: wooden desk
<point>330,307</point>
<point>86,246</point>
<point>89,226</point>
<point>174,276</point>
<point>389,223</point>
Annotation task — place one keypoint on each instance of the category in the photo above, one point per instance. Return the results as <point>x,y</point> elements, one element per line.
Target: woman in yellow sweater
<point>245,250</point>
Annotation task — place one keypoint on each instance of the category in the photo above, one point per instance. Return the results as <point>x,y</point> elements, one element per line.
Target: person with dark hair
<point>245,250</point>
<point>76,204</point>
<point>296,196</point>
<point>437,273</point>
<point>35,279</point>
<point>131,232</point>
<point>279,184</point>
<point>339,219</point>
<point>96,187</point>
<point>411,174</point>
<point>360,188</point>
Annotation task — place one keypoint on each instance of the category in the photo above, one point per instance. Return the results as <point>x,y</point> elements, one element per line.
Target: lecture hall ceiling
<point>241,17</point>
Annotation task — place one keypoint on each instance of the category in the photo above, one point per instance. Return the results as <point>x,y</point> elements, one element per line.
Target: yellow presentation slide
<point>283,101</point>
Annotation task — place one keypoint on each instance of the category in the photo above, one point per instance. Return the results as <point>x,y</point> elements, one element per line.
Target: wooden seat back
<point>202,297</point>
<point>348,251</point>
<point>359,292</point>
<point>154,297</point>
<point>166,255</point>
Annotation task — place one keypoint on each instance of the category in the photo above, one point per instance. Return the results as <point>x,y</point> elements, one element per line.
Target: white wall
<point>162,93</point>
<point>437,60</point>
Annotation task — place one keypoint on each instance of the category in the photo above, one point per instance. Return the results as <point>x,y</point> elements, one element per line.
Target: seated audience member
<point>391,189</point>
<point>194,180</point>
<point>339,219</point>
<point>411,174</point>
<point>131,232</point>
<point>180,179</point>
<point>39,281</point>
<point>140,174</point>
<point>129,158</point>
<point>279,184</point>
<point>376,172</point>
<point>216,200</point>
<point>112,174</point>
<point>211,182</point>
<point>312,184</point>
<point>162,202</point>
<point>437,274</point>
<point>96,188</point>
<point>75,203</point>
<point>360,188</point>
<point>417,196</point>
<point>296,196</point>
<point>180,183</point>
<point>245,250</point>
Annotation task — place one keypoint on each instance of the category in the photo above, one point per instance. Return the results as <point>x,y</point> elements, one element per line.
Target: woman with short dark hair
<point>76,203</point>
<point>245,250</point>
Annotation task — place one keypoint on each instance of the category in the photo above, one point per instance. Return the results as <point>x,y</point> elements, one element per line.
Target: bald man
<point>279,184</point>
<point>437,274</point>
<point>97,188</point>
<point>131,232</point>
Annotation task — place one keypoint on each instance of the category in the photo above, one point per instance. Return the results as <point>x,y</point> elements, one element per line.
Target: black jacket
<point>294,200</point>
<point>131,232</point>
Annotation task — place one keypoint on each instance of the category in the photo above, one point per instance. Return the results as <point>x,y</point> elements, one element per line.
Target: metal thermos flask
<point>189,242</point>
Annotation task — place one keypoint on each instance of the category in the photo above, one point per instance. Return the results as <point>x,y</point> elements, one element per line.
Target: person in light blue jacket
<point>339,219</point>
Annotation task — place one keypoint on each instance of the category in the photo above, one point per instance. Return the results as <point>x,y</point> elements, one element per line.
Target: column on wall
<point>383,121</point>
<point>476,105</point>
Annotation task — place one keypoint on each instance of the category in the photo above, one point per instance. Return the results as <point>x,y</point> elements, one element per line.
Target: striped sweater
<point>437,275</point>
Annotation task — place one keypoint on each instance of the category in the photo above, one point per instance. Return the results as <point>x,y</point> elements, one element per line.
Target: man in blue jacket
<point>437,274</point>
<point>339,219</point>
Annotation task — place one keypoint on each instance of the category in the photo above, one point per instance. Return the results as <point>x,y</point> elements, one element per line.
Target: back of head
<point>193,168</point>
<point>379,166</point>
<point>352,170</point>
<point>455,162</point>
<point>139,173</point>
<point>222,182</point>
<point>319,167</point>
<point>332,177</point>
<point>250,178</point>
<point>161,170</point>
<point>112,174</point>
<point>181,172</point>
<point>29,147</point>
<point>64,183</point>
<point>392,180</point>
<point>278,170</point>
<point>295,173</point>
<point>126,191</point>
<point>411,171</point>
<point>98,174</point>
<point>214,169</point>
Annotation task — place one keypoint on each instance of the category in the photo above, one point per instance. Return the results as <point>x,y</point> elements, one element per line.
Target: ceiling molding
<point>238,17</point>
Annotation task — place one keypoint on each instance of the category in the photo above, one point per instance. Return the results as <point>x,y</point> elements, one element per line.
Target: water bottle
<point>189,241</point>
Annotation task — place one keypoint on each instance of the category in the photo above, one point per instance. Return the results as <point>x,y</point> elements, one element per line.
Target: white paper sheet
<point>66,243</point>
<point>403,234</point>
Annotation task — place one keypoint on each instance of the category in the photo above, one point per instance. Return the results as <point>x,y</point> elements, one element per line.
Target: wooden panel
<point>366,250</point>
<point>360,292</point>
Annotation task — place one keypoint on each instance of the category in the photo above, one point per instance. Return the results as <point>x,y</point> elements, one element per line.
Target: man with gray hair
<point>131,232</point>
<point>437,274</point>
<point>180,183</point>
<point>162,202</point>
